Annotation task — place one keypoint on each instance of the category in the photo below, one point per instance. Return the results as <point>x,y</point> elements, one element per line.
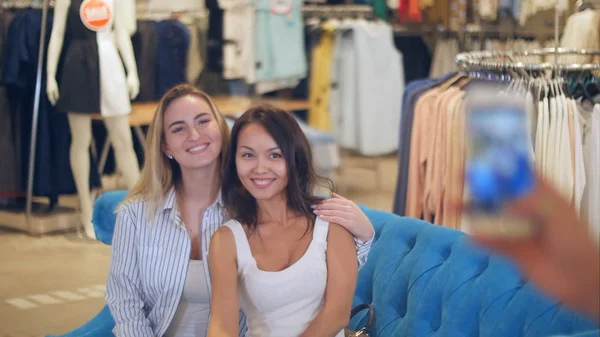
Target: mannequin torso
<point>79,93</point>
<point>93,78</point>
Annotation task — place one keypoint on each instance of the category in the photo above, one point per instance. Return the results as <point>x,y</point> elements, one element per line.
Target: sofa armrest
<point>104,216</point>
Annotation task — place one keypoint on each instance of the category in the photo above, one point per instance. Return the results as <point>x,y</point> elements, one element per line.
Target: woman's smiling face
<point>192,135</point>
<point>260,164</point>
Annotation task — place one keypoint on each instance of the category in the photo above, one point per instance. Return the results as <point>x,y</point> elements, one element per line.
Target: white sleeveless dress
<point>284,303</point>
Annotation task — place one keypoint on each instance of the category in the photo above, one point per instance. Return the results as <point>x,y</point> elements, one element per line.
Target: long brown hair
<point>160,174</point>
<point>302,177</point>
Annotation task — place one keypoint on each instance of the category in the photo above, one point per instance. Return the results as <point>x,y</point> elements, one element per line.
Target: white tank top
<point>284,303</point>
<point>192,315</point>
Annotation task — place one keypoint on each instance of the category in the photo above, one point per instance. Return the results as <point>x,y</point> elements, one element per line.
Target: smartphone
<point>499,164</point>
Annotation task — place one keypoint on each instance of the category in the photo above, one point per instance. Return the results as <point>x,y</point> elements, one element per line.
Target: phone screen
<point>499,164</point>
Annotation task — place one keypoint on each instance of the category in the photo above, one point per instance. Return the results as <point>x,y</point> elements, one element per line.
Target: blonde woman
<point>159,281</point>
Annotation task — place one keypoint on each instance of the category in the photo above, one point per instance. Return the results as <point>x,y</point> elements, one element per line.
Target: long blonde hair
<point>160,174</point>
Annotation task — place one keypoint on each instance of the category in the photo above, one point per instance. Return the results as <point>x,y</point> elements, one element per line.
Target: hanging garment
<point>238,40</point>
<point>52,171</point>
<point>10,144</point>
<point>434,179</point>
<point>591,149</point>
<point>565,174</point>
<point>488,9</point>
<point>580,174</point>
<point>343,97</point>
<point>443,58</point>
<point>393,4</point>
<point>438,13</point>
<point>416,57</point>
<point>214,45</point>
<point>457,14</point>
<point>410,10</point>
<point>173,44</point>
<point>454,175</point>
<point>197,25</point>
<point>410,98</point>
<point>10,147</point>
<point>531,7</point>
<point>380,79</point>
<point>420,145</point>
<point>320,85</point>
<point>581,32</point>
<point>145,47</point>
<point>511,8</point>
<point>100,84</point>
<point>301,91</point>
<point>380,9</point>
<point>279,41</point>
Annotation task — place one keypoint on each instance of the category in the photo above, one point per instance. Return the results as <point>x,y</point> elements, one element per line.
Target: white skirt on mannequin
<point>114,94</point>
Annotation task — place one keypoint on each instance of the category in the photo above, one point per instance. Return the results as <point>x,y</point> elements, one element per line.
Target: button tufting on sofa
<point>446,253</point>
<point>412,242</point>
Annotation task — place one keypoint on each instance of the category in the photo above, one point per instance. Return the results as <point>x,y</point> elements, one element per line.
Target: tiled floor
<point>55,283</point>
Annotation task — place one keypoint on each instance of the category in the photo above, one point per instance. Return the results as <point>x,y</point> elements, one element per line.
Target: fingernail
<point>313,206</point>
<point>316,211</point>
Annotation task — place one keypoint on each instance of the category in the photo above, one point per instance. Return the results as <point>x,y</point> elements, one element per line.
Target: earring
<point>169,156</point>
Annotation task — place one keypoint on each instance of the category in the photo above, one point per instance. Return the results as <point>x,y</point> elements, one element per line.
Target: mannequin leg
<point>119,132</point>
<point>81,139</point>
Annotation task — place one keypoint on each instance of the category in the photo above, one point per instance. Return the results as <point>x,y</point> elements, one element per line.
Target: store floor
<point>55,283</point>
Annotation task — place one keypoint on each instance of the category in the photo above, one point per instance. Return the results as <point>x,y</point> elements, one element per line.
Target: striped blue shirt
<point>150,258</point>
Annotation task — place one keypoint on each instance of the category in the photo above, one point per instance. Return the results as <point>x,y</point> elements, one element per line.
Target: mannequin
<point>93,81</point>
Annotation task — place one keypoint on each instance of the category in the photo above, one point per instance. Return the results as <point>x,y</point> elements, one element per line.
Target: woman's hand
<point>561,258</point>
<point>346,213</point>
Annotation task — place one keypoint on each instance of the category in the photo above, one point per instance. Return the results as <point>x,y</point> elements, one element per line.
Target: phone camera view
<point>499,164</point>
<point>499,167</point>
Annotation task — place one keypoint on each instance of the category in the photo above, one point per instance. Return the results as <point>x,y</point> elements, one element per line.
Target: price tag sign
<point>95,14</point>
<point>282,7</point>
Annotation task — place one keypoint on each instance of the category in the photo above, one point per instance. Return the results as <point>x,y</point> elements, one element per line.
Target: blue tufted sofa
<point>423,280</point>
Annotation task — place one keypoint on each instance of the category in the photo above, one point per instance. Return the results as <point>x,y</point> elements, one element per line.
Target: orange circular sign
<point>95,14</point>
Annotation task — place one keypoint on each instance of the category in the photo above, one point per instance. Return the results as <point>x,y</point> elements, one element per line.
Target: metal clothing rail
<point>339,9</point>
<point>36,111</point>
<point>19,4</point>
<point>504,61</point>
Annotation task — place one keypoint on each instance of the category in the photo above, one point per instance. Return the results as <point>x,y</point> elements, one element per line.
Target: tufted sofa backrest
<point>427,280</point>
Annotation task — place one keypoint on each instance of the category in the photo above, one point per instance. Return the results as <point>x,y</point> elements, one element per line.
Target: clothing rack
<point>337,11</point>
<point>16,4</point>
<point>495,61</point>
<point>144,12</point>
<point>44,5</point>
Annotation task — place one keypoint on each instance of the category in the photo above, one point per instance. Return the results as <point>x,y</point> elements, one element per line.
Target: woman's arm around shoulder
<point>124,287</point>
<point>342,270</point>
<point>224,310</point>
<point>349,215</point>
